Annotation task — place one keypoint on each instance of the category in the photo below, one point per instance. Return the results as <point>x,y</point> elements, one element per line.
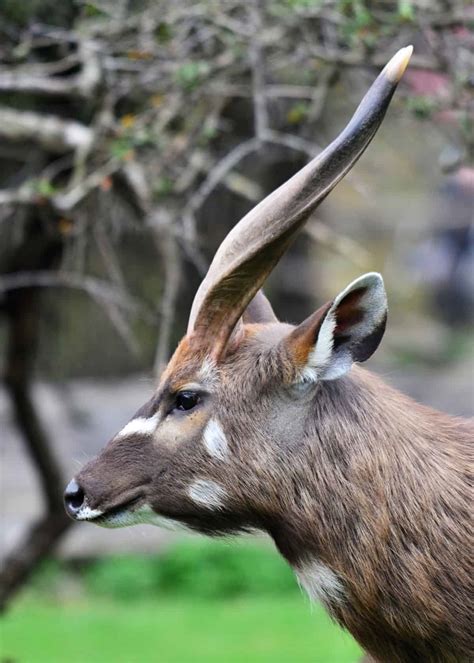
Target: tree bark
<point>41,250</point>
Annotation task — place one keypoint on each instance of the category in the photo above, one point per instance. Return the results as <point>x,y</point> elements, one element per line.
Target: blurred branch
<point>49,131</point>
<point>69,199</point>
<point>167,245</point>
<point>116,316</point>
<point>24,195</point>
<point>348,58</point>
<point>217,174</point>
<point>322,235</point>
<point>42,79</point>
<point>292,142</point>
<point>12,81</point>
<point>100,290</point>
<point>258,70</point>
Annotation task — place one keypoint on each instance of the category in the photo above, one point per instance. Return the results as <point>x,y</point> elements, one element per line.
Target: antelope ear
<point>259,310</point>
<point>349,329</point>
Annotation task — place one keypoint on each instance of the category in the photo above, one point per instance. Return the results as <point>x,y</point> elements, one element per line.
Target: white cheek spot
<point>208,493</point>
<point>140,426</point>
<point>320,583</point>
<point>86,513</point>
<point>215,440</point>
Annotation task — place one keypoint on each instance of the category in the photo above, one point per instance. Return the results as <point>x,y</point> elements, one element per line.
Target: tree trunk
<point>41,249</point>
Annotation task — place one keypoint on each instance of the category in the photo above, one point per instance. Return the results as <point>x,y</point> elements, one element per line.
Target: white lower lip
<point>86,513</point>
<point>105,517</point>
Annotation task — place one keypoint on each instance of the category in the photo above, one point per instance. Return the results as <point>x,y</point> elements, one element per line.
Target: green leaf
<point>120,148</point>
<point>45,188</point>
<point>406,10</point>
<point>297,112</point>
<point>163,187</point>
<point>189,75</point>
<point>421,105</point>
<point>163,33</point>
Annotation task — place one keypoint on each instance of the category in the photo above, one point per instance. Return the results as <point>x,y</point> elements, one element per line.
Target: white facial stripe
<point>215,440</point>
<point>208,493</point>
<point>320,583</point>
<point>86,513</point>
<point>140,426</point>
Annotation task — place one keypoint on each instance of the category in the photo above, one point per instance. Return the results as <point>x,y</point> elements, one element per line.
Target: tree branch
<point>49,131</point>
<point>102,291</point>
<point>168,247</point>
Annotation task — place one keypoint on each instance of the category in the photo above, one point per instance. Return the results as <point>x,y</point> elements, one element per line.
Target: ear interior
<point>347,330</point>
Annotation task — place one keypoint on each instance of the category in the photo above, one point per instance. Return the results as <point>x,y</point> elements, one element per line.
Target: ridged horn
<point>255,245</point>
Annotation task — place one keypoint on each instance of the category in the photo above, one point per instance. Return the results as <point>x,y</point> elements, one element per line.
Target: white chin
<point>143,515</point>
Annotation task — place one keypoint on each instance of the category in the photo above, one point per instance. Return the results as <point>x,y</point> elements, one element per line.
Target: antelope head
<point>213,448</point>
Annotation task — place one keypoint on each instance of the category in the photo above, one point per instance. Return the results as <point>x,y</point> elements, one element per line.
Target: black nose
<point>73,498</point>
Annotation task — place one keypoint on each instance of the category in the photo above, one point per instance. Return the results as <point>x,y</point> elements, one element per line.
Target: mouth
<point>117,515</point>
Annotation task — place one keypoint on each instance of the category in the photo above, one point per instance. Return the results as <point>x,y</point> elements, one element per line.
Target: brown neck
<point>379,481</point>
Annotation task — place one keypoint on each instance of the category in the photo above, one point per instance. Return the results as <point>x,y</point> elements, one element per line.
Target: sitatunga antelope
<point>259,424</point>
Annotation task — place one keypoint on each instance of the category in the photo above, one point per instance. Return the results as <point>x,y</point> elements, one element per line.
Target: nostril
<point>73,497</point>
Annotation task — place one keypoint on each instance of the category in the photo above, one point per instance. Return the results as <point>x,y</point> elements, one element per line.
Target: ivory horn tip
<point>395,68</point>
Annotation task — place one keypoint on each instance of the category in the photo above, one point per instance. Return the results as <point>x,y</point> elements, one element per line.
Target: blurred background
<point>133,136</point>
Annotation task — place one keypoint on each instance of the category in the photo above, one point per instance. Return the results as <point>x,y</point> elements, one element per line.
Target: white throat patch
<point>208,493</point>
<point>320,583</point>
<point>215,440</point>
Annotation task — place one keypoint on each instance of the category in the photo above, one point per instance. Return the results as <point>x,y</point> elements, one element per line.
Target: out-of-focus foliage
<point>198,567</point>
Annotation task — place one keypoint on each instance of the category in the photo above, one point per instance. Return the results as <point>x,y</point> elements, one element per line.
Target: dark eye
<point>186,400</point>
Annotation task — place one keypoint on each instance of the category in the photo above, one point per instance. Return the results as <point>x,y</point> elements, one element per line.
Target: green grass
<point>201,601</point>
<point>282,629</point>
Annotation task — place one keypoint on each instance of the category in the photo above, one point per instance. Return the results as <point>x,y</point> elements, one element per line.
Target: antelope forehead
<point>208,372</point>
